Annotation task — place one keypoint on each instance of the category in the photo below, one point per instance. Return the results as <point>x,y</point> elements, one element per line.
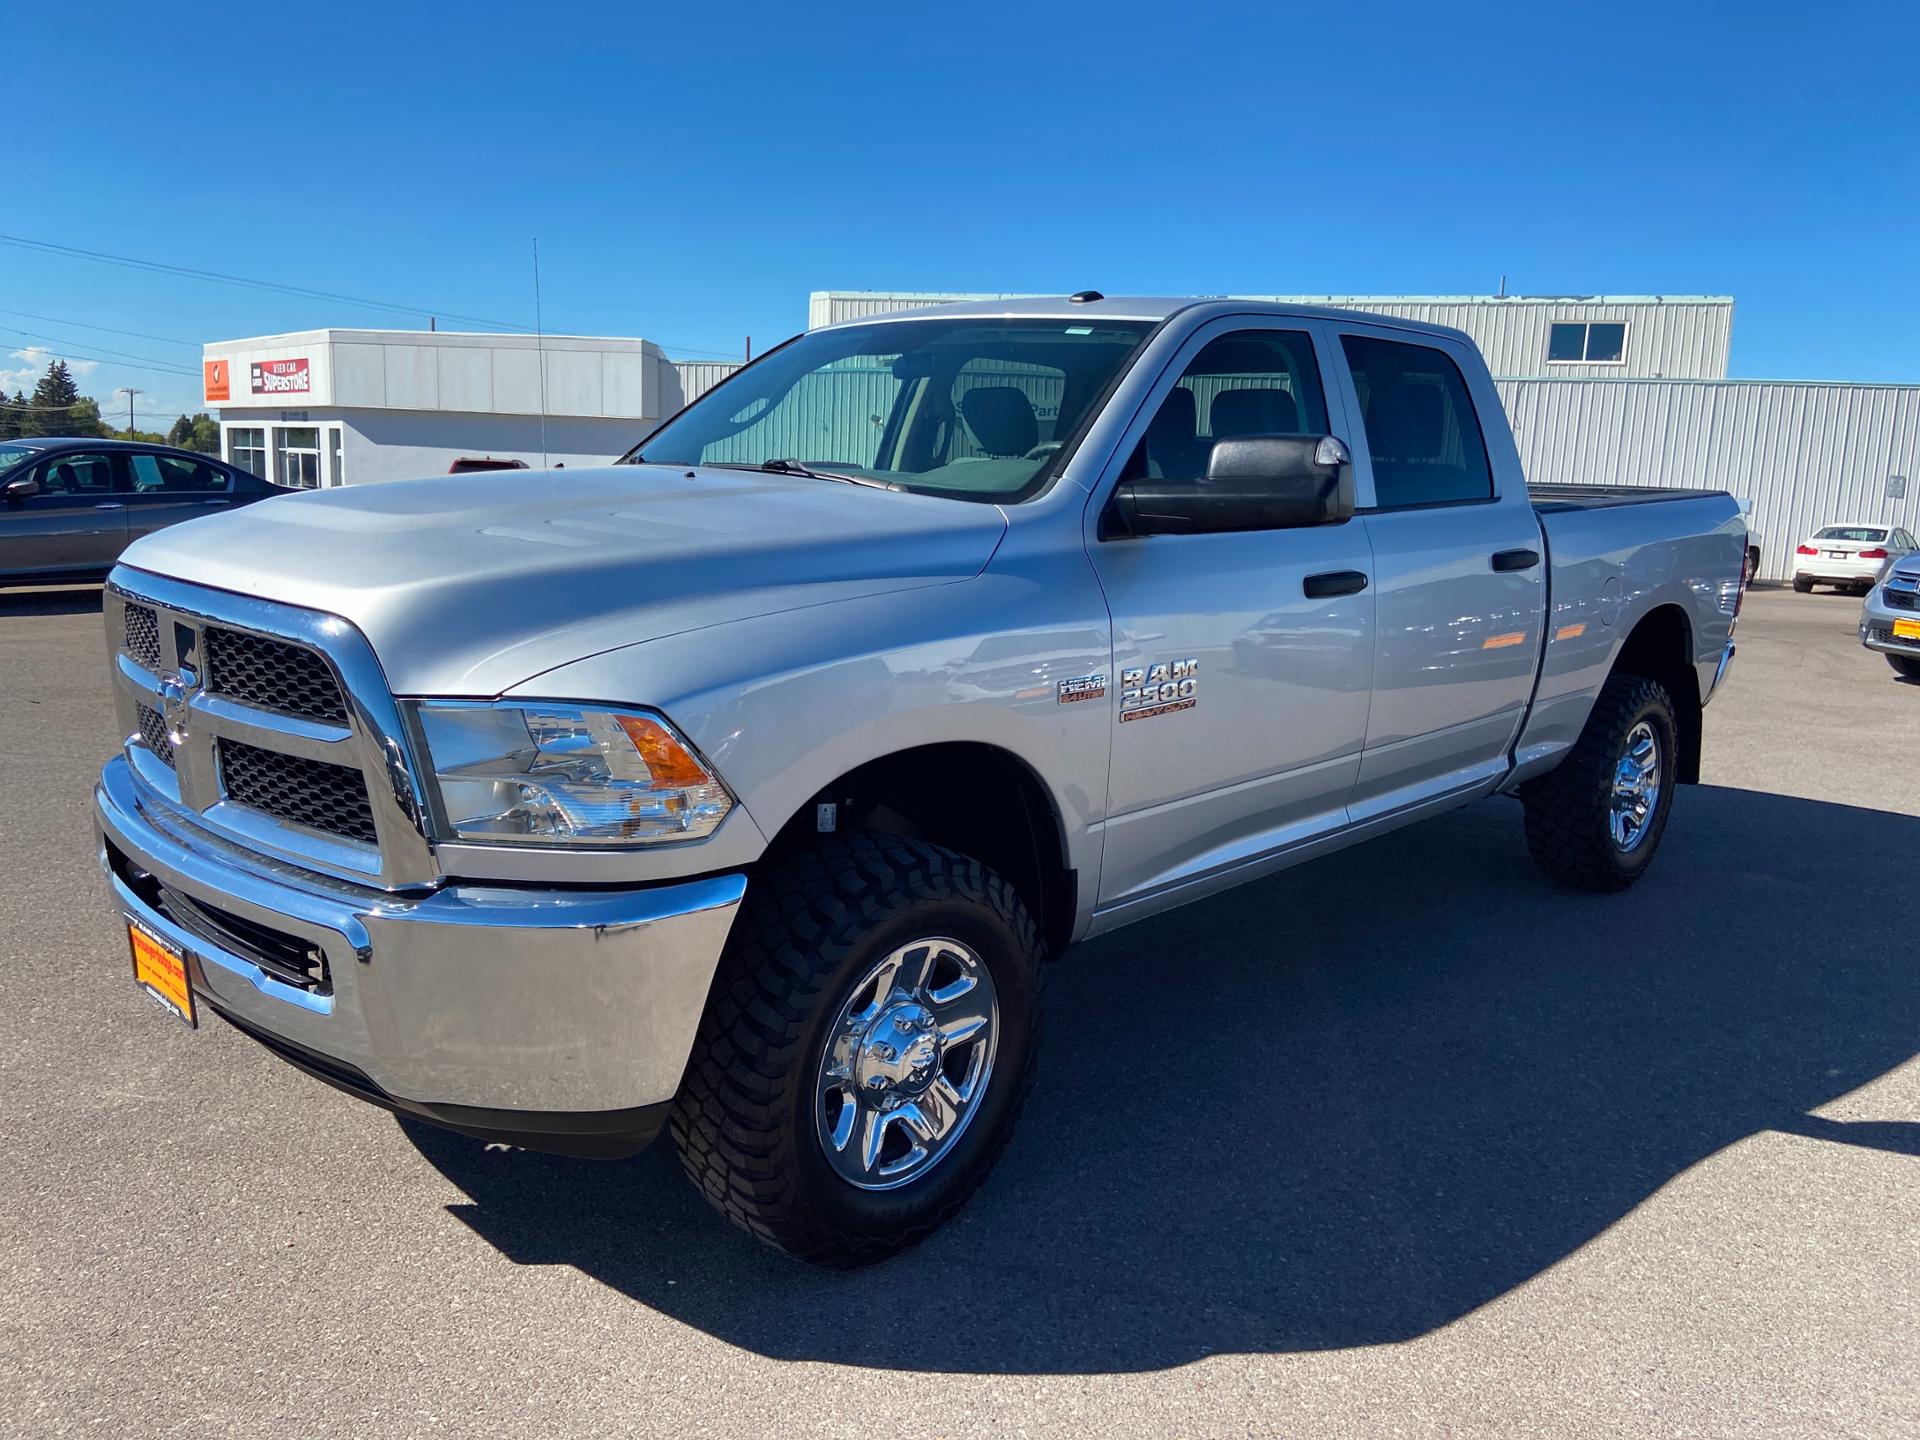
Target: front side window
<point>1249,382</point>
<point>973,408</point>
<point>247,448</point>
<point>81,476</point>
<point>1422,432</point>
<point>1579,342</point>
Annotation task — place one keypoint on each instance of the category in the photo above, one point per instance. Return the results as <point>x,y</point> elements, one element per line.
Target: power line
<point>153,361</point>
<point>162,267</point>
<point>103,329</point>
<point>217,277</point>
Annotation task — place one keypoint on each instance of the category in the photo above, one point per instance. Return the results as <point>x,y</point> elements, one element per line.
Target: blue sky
<point>693,171</point>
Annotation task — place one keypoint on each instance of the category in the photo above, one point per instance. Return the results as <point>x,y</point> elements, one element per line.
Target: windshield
<point>12,455</point>
<point>1859,534</point>
<point>975,408</point>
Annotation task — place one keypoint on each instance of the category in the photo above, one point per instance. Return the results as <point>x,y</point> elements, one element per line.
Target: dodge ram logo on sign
<point>281,377</point>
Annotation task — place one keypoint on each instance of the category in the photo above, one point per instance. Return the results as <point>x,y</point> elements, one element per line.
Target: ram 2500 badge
<point>743,788</point>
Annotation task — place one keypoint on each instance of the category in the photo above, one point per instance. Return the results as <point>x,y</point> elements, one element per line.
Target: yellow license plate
<point>1907,629</point>
<point>161,970</point>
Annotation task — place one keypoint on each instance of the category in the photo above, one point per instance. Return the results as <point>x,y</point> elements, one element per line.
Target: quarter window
<point>1248,382</point>
<point>1580,342</point>
<point>1422,433</point>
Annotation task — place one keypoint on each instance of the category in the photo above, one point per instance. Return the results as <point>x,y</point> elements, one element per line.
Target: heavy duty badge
<point>1082,687</point>
<point>1158,689</point>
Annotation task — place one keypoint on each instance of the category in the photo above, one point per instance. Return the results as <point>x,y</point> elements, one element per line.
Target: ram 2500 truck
<point>742,788</point>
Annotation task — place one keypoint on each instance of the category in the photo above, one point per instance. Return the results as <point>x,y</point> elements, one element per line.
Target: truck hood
<point>471,584</point>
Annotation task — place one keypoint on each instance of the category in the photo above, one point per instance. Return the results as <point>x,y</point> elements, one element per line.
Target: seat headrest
<point>1001,418</point>
<point>1254,412</point>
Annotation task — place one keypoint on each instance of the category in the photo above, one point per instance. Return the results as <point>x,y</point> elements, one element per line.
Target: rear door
<point>167,489</point>
<point>76,524</point>
<point>1459,568</point>
<point>1238,699</point>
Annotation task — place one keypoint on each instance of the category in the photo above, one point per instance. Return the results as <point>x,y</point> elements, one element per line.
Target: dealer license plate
<point>160,969</point>
<point>1907,629</point>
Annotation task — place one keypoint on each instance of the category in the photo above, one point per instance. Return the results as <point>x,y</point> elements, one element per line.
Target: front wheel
<point>866,1049</point>
<point>1595,819</point>
<point>1906,665</point>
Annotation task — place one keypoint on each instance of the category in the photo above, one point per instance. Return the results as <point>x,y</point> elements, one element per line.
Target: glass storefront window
<point>248,450</point>
<point>298,448</point>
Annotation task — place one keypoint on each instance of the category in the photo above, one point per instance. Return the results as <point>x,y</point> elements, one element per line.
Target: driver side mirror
<point>23,489</point>
<point>1253,482</point>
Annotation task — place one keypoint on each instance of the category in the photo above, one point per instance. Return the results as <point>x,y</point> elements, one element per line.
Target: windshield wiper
<point>794,467</point>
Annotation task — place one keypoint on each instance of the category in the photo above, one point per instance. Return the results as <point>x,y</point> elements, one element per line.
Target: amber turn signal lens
<point>667,759</point>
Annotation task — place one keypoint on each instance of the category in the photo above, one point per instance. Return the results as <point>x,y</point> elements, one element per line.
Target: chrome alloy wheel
<point>1636,788</point>
<point>906,1062</point>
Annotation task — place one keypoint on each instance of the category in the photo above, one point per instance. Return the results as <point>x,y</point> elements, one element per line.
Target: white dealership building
<point>329,407</point>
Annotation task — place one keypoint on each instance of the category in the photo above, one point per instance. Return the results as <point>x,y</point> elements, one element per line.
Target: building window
<point>299,455</point>
<point>248,450</point>
<point>1577,342</point>
<point>333,456</point>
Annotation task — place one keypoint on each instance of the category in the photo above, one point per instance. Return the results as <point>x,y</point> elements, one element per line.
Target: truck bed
<point>1557,499</point>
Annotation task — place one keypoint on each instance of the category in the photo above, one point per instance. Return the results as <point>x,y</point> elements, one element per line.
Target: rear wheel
<point>1802,585</point>
<point>866,1049</point>
<point>1595,819</point>
<point>1753,565</point>
<point>1907,666</point>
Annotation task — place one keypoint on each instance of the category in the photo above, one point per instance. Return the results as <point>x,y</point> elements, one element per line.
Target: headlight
<point>559,774</point>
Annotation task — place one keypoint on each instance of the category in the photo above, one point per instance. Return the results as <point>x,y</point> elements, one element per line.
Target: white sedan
<point>1848,557</point>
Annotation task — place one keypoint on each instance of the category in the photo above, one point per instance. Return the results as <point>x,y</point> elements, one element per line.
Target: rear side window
<point>173,475</point>
<point>1420,425</point>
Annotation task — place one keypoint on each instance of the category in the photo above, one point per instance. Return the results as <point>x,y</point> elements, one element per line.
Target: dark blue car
<point>69,507</point>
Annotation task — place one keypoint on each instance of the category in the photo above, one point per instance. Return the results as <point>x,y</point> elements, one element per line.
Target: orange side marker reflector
<point>1501,642</point>
<point>1571,632</point>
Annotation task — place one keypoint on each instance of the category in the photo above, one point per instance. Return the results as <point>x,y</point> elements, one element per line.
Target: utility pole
<point>129,392</point>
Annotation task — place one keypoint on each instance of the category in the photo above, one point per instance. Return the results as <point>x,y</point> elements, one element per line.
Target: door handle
<point>1334,582</point>
<point>110,505</point>
<point>221,501</point>
<point>1515,559</point>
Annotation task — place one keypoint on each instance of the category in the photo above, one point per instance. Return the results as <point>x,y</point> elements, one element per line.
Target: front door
<point>76,524</point>
<point>1459,573</point>
<point>1238,699</point>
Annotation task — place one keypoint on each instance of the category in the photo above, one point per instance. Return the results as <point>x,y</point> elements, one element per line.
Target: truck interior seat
<point>1001,419</point>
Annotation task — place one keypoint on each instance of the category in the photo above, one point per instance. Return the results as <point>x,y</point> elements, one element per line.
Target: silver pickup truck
<point>744,787</point>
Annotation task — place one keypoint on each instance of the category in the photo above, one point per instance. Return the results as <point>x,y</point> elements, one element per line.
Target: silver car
<point>1890,620</point>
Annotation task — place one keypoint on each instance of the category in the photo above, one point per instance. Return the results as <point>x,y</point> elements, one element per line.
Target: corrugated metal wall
<point>1683,337</point>
<point>1806,455</point>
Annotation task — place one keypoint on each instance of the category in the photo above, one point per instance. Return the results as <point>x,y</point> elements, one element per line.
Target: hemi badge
<point>1082,687</point>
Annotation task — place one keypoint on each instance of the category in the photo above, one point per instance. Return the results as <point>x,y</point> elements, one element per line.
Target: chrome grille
<point>270,726</point>
<point>313,793</point>
<point>142,631</point>
<point>272,674</point>
<point>153,730</point>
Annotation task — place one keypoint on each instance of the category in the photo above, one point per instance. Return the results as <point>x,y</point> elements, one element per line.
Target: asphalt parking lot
<point>1404,1142</point>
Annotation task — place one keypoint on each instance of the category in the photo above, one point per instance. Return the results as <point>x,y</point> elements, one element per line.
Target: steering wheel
<point>1042,450</point>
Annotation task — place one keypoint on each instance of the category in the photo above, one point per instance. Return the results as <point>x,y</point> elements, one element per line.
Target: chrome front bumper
<point>554,1018</point>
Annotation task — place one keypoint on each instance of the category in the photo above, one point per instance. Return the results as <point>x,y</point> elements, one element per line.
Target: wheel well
<point>977,799</point>
<point>1661,648</point>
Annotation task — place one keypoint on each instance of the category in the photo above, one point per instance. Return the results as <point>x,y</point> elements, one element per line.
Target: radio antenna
<point>540,346</point>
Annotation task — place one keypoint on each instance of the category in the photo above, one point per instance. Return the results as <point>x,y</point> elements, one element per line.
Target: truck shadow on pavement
<point>84,600</point>
<point>1340,1107</point>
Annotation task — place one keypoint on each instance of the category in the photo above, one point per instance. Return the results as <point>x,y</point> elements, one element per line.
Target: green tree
<point>182,433</point>
<point>52,402</point>
<point>206,435</point>
<point>83,418</point>
<point>9,417</point>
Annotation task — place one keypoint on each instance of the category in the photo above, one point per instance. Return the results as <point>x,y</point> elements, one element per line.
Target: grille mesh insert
<point>1901,599</point>
<point>273,675</point>
<point>1883,635</point>
<point>143,636</point>
<point>313,793</point>
<point>153,730</point>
